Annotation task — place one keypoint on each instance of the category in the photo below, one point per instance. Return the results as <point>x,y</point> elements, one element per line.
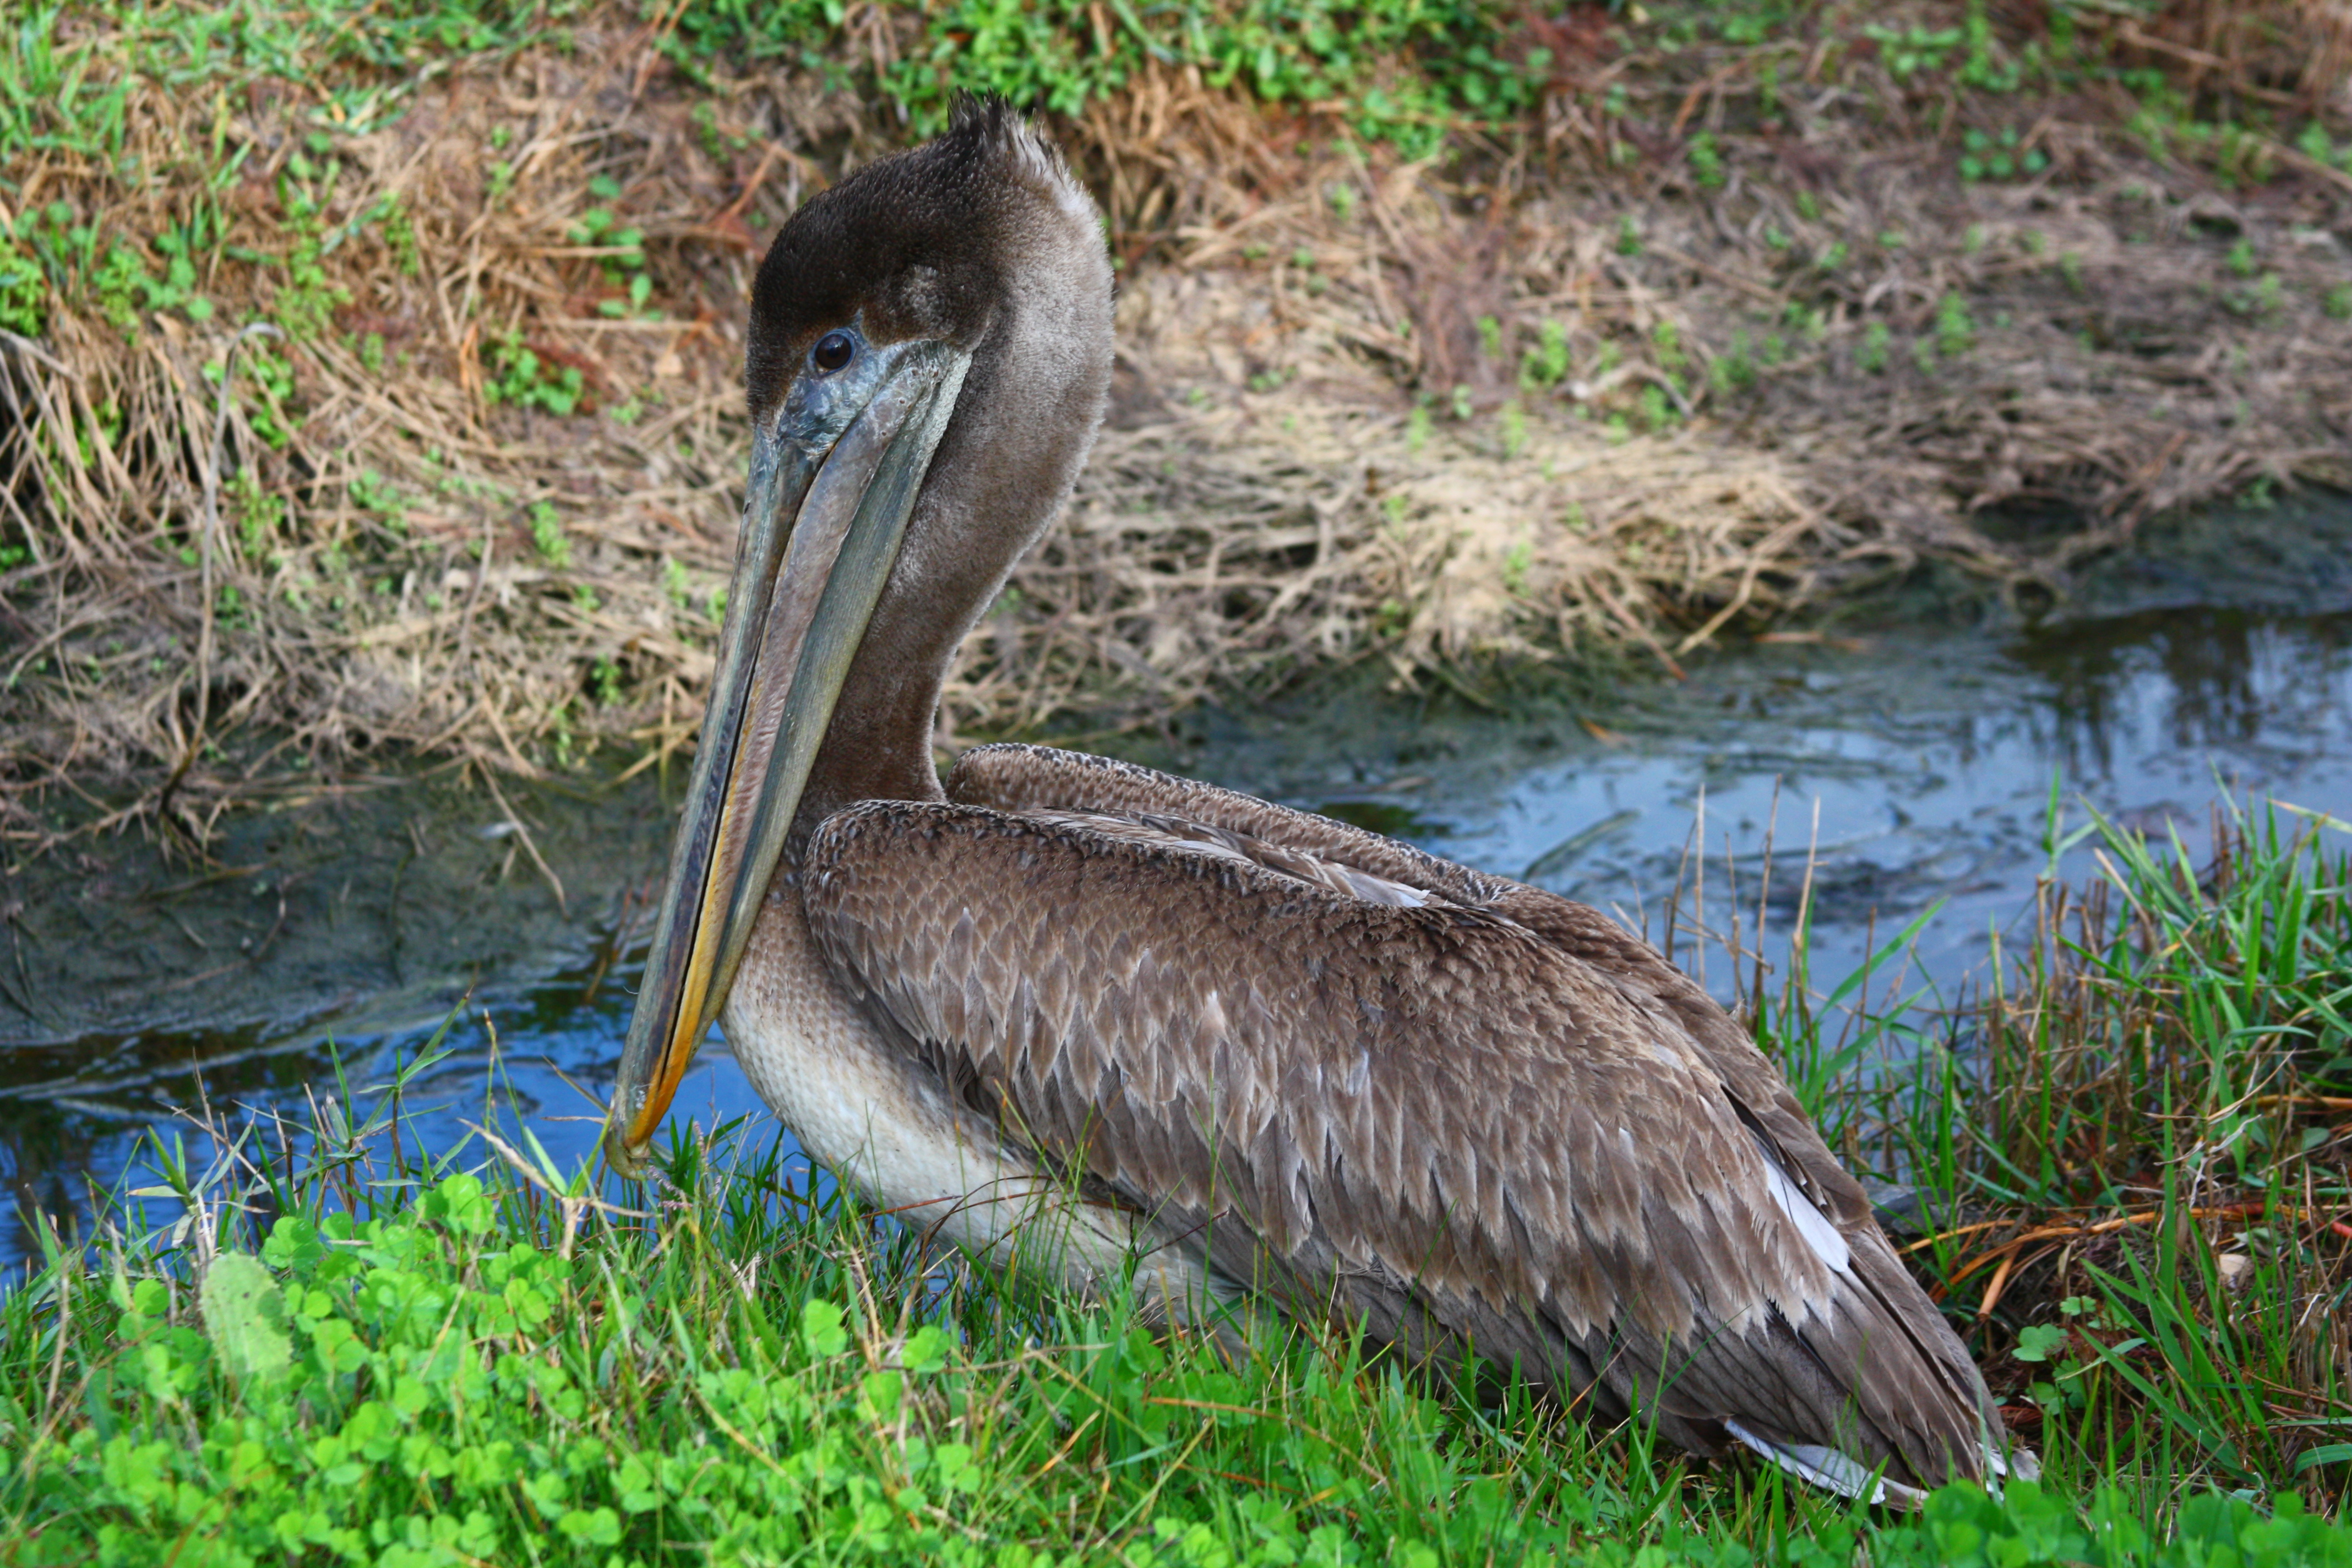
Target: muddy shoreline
<point>374,904</point>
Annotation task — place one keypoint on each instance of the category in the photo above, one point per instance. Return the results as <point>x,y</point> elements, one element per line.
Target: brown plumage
<point>1079,1011</point>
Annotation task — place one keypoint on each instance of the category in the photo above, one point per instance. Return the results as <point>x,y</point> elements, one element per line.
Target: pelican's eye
<point>833,351</point>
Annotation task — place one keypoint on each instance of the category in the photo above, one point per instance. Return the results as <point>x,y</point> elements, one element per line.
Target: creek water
<point>327,938</point>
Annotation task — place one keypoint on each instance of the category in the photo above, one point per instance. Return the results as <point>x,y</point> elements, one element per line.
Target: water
<point>1913,770</point>
<point>1919,766</point>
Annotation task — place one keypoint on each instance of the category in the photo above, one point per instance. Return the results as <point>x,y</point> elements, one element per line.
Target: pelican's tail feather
<point>1828,1468</point>
<point>1848,1477</point>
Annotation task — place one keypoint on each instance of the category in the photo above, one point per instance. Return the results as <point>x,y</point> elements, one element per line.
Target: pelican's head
<point>929,355</point>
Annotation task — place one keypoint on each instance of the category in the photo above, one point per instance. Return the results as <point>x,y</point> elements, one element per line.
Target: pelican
<point>1080,1017</point>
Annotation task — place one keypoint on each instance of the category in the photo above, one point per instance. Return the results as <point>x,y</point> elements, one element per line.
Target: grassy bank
<point>2127,1182</point>
<point>2128,1156</point>
<point>369,370</point>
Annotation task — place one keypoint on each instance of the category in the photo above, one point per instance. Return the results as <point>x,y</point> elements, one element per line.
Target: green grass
<point>1400,71</point>
<point>349,1352</point>
<point>449,1379</point>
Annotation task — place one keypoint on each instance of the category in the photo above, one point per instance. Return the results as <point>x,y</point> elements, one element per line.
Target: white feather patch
<point>1811,1222</point>
<point>1827,1468</point>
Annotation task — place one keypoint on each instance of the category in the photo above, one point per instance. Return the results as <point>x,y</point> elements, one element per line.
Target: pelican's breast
<point>882,1121</point>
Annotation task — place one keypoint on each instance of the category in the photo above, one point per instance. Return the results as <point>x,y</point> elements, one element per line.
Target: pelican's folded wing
<point>1358,1082</point>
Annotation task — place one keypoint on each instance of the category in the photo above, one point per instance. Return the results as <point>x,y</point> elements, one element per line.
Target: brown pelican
<point>1083,1018</point>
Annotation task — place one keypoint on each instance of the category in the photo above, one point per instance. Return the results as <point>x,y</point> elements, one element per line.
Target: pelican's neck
<point>1024,417</point>
<point>1020,431</point>
<point>879,744</point>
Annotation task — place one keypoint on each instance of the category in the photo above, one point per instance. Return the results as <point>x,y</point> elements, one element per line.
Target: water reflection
<point>1916,769</point>
<point>2216,682</point>
<point>524,1065</point>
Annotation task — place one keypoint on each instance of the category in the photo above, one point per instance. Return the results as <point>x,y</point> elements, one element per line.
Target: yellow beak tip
<point>629,1158</point>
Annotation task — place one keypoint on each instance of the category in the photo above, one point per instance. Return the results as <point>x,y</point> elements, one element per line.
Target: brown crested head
<point>924,244</point>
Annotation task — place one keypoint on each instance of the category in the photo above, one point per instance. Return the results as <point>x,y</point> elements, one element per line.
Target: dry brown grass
<point>414,564</point>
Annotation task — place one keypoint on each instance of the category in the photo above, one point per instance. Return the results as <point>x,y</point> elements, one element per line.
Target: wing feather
<point>1466,1112</point>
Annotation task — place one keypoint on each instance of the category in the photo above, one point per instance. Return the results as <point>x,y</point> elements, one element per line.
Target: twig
<point>522,833</point>
<point>2102,1227</point>
<point>1707,270</point>
<point>574,1205</point>
<point>523,764</point>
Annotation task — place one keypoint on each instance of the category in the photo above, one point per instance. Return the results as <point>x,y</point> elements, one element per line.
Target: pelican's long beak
<point>835,476</point>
